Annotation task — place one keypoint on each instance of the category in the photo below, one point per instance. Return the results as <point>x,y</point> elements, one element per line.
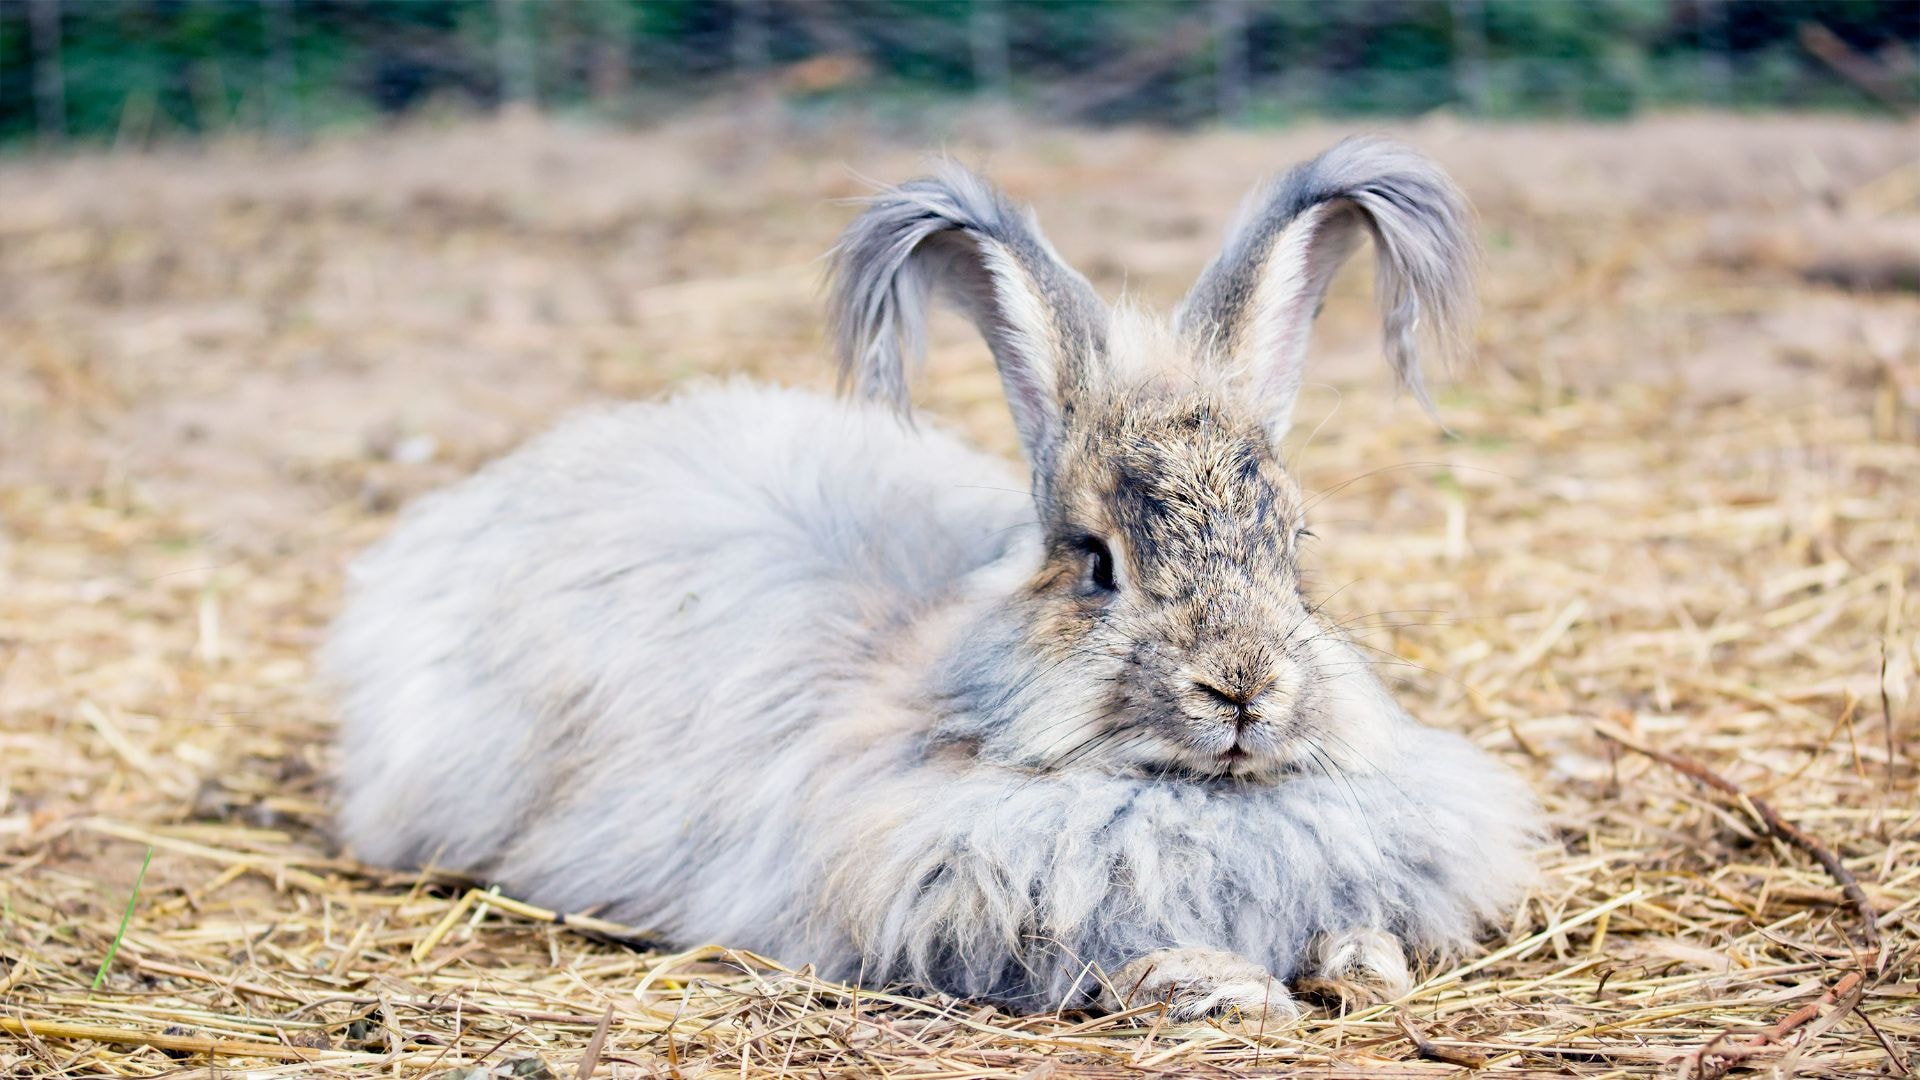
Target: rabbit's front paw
<point>1195,983</point>
<point>1356,967</point>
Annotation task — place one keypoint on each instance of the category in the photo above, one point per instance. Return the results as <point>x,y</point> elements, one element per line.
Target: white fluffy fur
<point>686,661</point>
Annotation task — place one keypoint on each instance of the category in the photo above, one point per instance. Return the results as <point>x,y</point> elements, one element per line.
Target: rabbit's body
<point>750,560</point>
<point>774,578</point>
<point>758,667</point>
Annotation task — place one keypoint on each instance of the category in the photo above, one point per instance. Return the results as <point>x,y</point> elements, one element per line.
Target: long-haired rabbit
<point>765,668</point>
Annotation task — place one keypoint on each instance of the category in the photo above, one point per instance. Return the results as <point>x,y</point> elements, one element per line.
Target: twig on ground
<point>1434,1051</point>
<point>1782,829</point>
<point>1721,1053</point>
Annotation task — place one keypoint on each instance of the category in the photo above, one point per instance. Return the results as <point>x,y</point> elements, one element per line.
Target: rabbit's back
<point>573,640</point>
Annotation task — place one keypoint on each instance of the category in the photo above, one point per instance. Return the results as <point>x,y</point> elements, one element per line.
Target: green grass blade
<point>125,918</point>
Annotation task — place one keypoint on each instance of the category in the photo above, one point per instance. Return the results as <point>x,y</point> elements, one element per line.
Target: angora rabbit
<point>760,667</point>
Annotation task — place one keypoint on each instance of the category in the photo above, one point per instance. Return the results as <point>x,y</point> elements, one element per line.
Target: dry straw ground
<point>1681,505</point>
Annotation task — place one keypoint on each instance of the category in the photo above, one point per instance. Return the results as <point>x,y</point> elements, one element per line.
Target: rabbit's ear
<point>1252,309</point>
<point>955,233</point>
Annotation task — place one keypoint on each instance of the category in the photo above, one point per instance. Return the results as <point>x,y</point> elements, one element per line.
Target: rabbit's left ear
<point>1250,313</point>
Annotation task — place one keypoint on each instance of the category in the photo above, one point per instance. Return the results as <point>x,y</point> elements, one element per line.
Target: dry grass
<point>1682,510</point>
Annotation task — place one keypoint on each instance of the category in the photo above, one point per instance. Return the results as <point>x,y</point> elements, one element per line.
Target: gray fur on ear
<point>956,233</point>
<point>1253,307</point>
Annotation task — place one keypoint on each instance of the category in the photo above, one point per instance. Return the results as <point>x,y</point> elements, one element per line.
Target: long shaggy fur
<point>760,667</point>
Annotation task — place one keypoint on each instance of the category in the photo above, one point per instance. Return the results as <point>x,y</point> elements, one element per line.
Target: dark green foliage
<point>143,69</point>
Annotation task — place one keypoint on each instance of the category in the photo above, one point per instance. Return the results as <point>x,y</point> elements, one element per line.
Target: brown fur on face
<point>1211,634</point>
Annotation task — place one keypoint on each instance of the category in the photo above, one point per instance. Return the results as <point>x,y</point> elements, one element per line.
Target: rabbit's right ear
<point>955,233</point>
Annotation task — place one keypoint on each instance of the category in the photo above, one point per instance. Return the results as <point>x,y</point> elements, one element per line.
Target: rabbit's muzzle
<point>1240,726</point>
<point>1232,706</point>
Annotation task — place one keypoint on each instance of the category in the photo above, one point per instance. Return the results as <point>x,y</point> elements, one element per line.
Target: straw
<point>1667,570</point>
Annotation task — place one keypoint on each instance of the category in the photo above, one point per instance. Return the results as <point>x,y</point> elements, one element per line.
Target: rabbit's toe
<point>1356,967</point>
<point>1196,983</point>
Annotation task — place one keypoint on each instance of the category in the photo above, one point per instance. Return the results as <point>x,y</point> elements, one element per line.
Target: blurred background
<point>133,71</point>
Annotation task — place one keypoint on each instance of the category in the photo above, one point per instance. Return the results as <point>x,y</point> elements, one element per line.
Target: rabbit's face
<point>1165,630</point>
<point>1172,582</point>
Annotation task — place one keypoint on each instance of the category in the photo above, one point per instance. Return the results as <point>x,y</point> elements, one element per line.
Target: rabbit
<point>799,674</point>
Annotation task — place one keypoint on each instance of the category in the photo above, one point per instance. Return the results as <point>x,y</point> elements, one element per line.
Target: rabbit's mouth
<point>1259,751</point>
<point>1276,735</point>
<point>1242,753</point>
<point>1236,763</point>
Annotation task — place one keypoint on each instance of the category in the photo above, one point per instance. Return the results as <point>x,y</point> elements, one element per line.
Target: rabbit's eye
<point>1099,564</point>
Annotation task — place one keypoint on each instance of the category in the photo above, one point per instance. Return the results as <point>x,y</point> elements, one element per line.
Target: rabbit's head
<point>1166,627</point>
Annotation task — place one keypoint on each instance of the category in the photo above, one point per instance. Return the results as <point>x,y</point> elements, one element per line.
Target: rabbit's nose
<point>1237,695</point>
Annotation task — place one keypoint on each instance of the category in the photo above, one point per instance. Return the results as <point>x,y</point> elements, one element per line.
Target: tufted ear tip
<point>955,234</point>
<point>1254,306</point>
